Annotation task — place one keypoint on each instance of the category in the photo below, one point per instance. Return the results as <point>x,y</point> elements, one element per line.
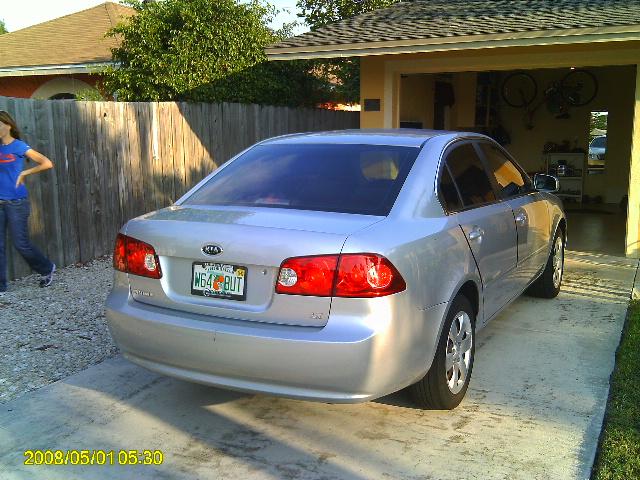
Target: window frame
<point>443,164</point>
<point>441,197</point>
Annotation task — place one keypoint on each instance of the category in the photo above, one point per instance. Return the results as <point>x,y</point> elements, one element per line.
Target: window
<point>448,192</point>
<point>362,179</point>
<point>511,181</point>
<point>470,176</point>
<point>597,142</point>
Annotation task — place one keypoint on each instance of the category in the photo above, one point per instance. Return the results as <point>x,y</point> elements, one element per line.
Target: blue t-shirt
<point>11,164</point>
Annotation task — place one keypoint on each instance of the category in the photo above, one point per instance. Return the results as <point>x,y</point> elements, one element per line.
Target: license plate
<point>219,280</point>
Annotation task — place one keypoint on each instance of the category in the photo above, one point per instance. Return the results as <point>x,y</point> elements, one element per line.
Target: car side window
<point>510,180</point>
<point>448,192</point>
<point>470,176</point>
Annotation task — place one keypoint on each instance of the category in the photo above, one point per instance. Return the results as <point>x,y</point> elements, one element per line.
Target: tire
<point>434,390</point>
<point>548,284</point>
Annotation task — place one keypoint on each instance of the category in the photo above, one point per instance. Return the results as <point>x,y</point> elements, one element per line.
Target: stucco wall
<point>416,99</point>
<point>372,87</point>
<point>417,94</point>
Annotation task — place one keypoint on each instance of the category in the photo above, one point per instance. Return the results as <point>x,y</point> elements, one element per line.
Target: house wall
<point>463,114</point>
<point>372,81</point>
<point>25,87</point>
<point>416,99</point>
<point>417,96</point>
<point>633,208</point>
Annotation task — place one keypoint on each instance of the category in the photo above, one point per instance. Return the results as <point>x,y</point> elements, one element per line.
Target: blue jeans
<point>15,215</point>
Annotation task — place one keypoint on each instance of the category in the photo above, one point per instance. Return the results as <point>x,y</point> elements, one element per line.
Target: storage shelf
<point>574,162</point>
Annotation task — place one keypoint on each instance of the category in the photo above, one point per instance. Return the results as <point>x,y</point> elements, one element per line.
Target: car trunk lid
<point>254,241</point>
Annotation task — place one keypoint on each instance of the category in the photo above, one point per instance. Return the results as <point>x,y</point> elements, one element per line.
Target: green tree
<point>3,28</point>
<point>319,13</point>
<point>206,51</point>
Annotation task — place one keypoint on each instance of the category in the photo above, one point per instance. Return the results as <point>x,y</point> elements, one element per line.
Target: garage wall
<point>617,87</point>
<point>416,99</point>
<point>615,95</point>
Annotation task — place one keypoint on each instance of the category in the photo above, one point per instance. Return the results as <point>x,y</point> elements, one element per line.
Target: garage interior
<point>548,135</point>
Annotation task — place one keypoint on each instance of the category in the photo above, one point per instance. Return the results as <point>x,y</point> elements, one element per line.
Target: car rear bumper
<point>354,358</point>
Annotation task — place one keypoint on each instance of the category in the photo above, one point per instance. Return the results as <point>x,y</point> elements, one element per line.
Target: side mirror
<point>546,183</point>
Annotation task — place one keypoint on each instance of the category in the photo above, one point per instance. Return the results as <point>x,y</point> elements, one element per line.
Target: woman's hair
<point>8,120</point>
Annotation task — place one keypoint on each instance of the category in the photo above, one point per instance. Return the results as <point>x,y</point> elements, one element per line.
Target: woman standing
<point>14,204</point>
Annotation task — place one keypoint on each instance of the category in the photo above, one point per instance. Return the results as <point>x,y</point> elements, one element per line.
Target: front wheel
<point>446,382</point>
<point>548,283</point>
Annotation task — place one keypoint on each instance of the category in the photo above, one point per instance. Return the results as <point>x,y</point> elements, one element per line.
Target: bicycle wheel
<point>519,89</point>
<point>578,87</point>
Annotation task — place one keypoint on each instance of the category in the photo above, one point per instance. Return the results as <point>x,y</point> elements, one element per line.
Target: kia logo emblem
<point>211,249</point>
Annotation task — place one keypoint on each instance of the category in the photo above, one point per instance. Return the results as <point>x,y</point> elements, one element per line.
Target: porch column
<point>633,209</point>
<point>372,92</point>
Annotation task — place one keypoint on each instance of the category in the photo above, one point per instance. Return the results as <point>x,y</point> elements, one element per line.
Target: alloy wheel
<point>558,261</point>
<point>458,352</point>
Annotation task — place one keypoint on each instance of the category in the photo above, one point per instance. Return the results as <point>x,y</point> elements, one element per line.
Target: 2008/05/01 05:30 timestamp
<point>93,457</point>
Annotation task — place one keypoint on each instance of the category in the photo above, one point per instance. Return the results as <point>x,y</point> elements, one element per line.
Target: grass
<point>619,450</point>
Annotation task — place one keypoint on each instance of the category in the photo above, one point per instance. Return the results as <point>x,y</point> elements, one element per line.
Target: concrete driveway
<point>533,410</point>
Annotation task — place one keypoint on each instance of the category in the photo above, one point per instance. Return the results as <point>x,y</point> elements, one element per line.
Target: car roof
<point>394,137</point>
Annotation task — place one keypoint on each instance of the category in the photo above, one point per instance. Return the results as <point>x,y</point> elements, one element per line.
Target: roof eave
<point>27,71</point>
<point>471,42</point>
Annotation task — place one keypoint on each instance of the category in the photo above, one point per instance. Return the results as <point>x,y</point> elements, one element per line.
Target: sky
<point>18,14</point>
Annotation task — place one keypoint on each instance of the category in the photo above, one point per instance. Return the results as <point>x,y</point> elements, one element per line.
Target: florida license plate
<point>219,280</point>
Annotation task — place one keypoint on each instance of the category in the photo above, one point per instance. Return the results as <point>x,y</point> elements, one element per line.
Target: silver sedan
<point>337,266</point>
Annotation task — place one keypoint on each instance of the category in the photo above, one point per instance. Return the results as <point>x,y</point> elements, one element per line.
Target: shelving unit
<point>572,182</point>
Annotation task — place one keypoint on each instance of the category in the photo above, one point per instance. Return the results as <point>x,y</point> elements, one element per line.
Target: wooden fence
<point>114,161</point>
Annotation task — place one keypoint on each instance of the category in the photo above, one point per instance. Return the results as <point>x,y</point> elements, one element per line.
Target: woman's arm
<point>43,164</point>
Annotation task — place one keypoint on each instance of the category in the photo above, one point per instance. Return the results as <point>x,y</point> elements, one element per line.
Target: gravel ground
<point>51,333</point>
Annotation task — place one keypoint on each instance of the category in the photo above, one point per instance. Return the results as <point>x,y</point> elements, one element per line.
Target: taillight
<point>307,275</point>
<point>135,256</point>
<point>367,275</point>
<point>119,254</point>
<point>361,275</point>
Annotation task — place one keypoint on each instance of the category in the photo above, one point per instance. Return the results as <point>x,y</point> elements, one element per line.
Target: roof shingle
<point>78,38</point>
<point>429,19</point>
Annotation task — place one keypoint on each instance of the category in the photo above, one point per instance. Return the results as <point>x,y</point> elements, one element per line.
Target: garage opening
<point>574,122</point>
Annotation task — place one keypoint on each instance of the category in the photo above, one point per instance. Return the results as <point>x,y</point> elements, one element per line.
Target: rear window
<point>362,179</point>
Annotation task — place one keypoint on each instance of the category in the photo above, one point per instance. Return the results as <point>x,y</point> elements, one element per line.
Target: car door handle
<point>476,233</point>
<point>521,218</point>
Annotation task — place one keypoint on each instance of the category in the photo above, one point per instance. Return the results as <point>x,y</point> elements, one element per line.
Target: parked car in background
<point>597,151</point>
<point>337,266</point>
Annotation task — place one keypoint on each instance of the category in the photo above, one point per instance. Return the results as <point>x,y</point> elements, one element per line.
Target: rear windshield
<point>362,179</point>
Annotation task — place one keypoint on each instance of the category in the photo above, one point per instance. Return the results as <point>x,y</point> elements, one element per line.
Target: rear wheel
<point>446,382</point>
<point>548,284</point>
